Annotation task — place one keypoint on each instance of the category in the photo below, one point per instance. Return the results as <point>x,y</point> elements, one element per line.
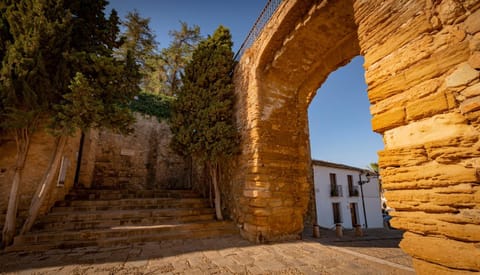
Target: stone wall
<point>422,70</point>
<point>275,81</point>
<point>41,151</point>
<point>139,160</point>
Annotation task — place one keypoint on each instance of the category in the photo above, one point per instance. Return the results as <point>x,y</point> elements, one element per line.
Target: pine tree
<point>139,42</point>
<point>203,121</point>
<point>59,66</point>
<point>173,59</point>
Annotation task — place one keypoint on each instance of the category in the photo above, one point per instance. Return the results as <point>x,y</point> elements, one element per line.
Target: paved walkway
<point>379,245</point>
<point>375,253</point>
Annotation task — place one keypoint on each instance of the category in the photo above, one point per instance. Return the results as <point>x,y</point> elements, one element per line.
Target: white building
<point>338,196</point>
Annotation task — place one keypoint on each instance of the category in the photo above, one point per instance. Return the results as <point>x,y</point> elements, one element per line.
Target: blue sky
<point>340,128</point>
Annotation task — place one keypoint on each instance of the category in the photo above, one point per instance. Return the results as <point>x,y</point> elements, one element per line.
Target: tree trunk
<point>213,167</point>
<point>45,186</point>
<point>22,139</point>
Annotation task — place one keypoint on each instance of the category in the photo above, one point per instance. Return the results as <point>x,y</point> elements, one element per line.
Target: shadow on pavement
<point>370,238</point>
<point>135,256</point>
<point>138,252</point>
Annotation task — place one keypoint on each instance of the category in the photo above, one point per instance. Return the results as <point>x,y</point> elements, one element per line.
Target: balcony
<point>336,191</point>
<point>353,192</point>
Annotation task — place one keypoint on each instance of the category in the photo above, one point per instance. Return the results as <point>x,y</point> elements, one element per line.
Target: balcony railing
<point>258,26</point>
<point>336,191</point>
<point>354,192</point>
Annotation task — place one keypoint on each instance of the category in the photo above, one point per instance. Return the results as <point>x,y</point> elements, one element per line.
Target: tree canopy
<point>170,62</point>
<point>60,65</point>
<point>139,43</point>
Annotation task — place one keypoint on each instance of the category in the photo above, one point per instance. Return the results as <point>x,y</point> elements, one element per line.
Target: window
<point>335,190</point>
<point>333,179</point>
<point>337,217</point>
<point>352,190</point>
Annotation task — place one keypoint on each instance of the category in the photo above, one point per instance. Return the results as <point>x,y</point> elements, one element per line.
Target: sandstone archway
<point>422,62</point>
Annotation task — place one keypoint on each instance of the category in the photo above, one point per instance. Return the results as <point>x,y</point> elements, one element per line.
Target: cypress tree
<point>203,121</point>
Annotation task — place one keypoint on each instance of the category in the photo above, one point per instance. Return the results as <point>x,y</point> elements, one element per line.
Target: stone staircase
<point>96,217</point>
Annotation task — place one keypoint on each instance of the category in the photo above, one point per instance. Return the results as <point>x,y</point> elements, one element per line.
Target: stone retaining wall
<point>139,160</point>
<point>41,151</point>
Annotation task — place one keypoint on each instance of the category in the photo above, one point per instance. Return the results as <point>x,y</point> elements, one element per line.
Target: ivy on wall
<point>153,105</point>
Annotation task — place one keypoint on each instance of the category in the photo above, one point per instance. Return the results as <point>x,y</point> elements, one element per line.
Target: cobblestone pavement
<point>228,255</point>
<point>379,243</point>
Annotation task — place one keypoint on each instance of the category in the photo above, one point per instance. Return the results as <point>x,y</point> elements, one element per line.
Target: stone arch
<point>422,62</point>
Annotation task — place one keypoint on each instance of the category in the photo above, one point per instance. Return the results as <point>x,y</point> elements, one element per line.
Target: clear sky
<point>340,120</point>
<point>340,128</point>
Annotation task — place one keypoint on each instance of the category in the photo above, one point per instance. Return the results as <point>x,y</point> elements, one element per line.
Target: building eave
<point>336,165</point>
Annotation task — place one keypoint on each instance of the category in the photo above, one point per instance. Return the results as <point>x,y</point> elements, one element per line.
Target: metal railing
<point>354,192</point>
<point>257,28</point>
<point>336,191</point>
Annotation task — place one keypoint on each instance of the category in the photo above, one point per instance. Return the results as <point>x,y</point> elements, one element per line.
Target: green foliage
<point>139,42</point>
<point>153,105</point>
<point>173,59</point>
<point>373,166</point>
<point>33,72</point>
<point>202,120</point>
<point>4,30</point>
<point>60,65</point>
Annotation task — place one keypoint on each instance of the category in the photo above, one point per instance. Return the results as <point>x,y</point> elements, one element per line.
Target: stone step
<point>62,225</point>
<point>115,194</point>
<point>121,235</point>
<point>126,204</point>
<point>94,217</point>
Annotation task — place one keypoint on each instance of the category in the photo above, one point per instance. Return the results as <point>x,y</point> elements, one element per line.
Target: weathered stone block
<point>454,254</point>
<point>257,202</point>
<point>438,127</point>
<point>388,120</point>
<point>410,156</point>
<point>257,220</point>
<point>427,176</point>
<point>463,216</point>
<point>453,149</point>
<point>472,24</point>
<point>261,212</point>
<point>474,60</point>
<point>442,60</point>
<point>419,91</point>
<point>449,10</point>
<point>470,105</point>
<point>377,25</point>
<point>427,268</point>
<point>463,75</point>
<point>427,107</point>
<point>453,225</point>
<point>474,44</point>
<point>471,91</point>
<point>256,194</point>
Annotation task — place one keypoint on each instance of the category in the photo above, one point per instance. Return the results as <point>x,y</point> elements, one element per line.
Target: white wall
<point>324,200</point>
<point>373,204</point>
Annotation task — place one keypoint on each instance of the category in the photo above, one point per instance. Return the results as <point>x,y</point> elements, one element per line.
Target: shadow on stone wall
<point>141,160</point>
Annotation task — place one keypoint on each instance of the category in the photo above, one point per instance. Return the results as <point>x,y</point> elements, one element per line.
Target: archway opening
<point>343,144</point>
<point>340,120</point>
